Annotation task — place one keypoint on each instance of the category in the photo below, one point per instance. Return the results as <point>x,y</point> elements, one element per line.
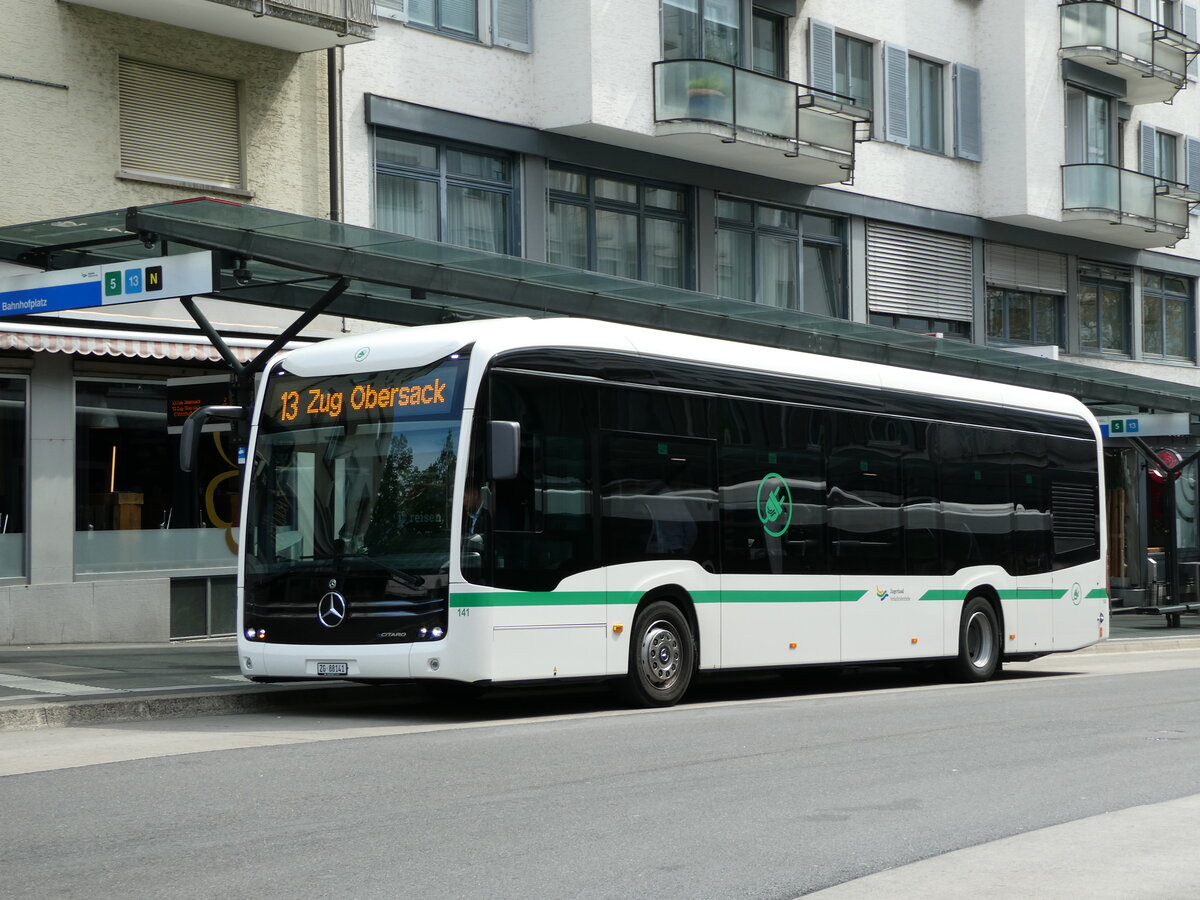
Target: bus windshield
<point>353,474</point>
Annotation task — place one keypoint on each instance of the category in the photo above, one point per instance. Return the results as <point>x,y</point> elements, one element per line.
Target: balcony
<point>1151,58</point>
<point>764,124</point>
<point>294,25</point>
<point>1148,211</point>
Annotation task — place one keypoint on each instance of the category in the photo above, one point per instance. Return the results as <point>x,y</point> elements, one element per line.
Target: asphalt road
<point>748,792</point>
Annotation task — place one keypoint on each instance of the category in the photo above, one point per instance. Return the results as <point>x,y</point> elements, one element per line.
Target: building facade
<point>1020,175</point>
<point>101,538</point>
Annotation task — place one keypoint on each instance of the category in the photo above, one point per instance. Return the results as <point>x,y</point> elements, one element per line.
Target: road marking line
<point>46,686</point>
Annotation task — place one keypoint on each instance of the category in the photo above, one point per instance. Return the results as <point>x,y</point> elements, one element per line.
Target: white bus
<point>523,500</point>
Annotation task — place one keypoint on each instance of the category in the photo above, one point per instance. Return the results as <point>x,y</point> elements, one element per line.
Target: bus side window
<point>543,524</point>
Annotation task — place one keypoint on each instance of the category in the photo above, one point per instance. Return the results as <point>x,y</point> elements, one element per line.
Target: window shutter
<point>393,9</point>
<point>1039,271</point>
<point>512,25</point>
<point>968,125</point>
<point>1192,162</point>
<point>179,124</point>
<point>1146,150</point>
<point>926,274</point>
<point>1190,29</point>
<point>895,94</point>
<point>821,56</point>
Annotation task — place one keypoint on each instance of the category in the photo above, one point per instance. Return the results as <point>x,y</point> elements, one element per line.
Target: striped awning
<point>131,344</point>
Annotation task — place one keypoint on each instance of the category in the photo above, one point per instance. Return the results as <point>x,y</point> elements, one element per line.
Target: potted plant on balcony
<point>706,98</point>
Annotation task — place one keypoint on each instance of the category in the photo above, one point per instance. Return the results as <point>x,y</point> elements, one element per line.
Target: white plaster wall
<point>61,147</point>
<point>945,32</point>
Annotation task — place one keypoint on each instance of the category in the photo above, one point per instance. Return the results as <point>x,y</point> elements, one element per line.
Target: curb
<point>113,710</point>
<point>109,710</point>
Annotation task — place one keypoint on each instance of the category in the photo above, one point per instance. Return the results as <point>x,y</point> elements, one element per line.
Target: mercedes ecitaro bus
<point>521,500</point>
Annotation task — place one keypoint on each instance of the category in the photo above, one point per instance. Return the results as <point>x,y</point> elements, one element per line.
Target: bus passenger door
<point>779,602</point>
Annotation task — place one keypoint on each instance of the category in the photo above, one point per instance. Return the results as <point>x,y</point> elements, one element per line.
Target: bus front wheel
<point>978,642</point>
<point>662,656</point>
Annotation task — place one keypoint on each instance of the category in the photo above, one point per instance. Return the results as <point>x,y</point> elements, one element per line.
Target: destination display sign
<point>294,402</point>
<point>185,275</point>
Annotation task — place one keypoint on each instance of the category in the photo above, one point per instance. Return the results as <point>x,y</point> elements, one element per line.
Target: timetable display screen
<point>295,402</point>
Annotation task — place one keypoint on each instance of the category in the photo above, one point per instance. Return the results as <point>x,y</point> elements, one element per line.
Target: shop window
<point>940,327</point>
<point>1024,317</point>
<point>461,195</point>
<point>1104,315</point>
<point>618,226</point>
<point>1167,318</point>
<point>13,406</point>
<point>134,509</point>
<point>780,257</point>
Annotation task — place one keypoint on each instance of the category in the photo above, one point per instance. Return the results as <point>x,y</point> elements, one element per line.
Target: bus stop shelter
<point>306,267</point>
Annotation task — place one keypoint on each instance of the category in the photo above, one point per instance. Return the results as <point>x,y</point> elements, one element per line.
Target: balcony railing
<point>1124,197</point>
<point>295,25</point>
<point>1152,58</point>
<point>753,105</point>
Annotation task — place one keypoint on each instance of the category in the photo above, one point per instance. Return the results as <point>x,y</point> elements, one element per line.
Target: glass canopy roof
<point>294,260</point>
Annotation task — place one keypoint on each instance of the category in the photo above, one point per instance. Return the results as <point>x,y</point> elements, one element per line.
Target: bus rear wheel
<point>978,642</point>
<point>662,656</point>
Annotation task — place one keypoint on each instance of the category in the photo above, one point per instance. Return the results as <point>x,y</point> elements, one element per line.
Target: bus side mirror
<point>504,442</point>
<point>189,438</point>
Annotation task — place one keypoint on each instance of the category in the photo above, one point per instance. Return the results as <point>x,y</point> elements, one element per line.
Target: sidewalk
<point>82,684</point>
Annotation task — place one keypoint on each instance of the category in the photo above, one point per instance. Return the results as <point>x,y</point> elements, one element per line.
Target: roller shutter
<point>1021,268</point>
<point>179,124</point>
<point>918,273</point>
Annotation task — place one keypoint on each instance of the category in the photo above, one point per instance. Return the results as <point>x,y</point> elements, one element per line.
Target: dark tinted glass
<point>542,523</point>
<point>769,450</point>
<point>864,500</point>
<point>658,498</point>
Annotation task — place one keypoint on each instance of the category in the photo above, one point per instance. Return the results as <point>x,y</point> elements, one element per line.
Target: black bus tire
<point>662,656</point>
<point>979,644</point>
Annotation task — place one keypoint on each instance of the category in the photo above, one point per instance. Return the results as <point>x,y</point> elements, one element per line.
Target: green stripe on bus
<point>791,596</point>
<point>529,598</point>
<point>586,598</point>
<point>1098,594</point>
<point>1033,594</point>
<point>943,596</point>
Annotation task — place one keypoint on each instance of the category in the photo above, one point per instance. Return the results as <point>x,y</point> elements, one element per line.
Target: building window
<point>768,44</point>
<point>179,125</point>
<point>1166,156</point>
<point>702,29</point>
<point>1024,317</point>
<point>13,479</point>
<point>941,327</point>
<point>1104,314</point>
<point>1091,128</point>
<point>442,192</point>
<point>925,108</point>
<point>852,69</point>
<point>780,257</point>
<point>456,17</point>
<point>618,226</point>
<point>1167,318</point>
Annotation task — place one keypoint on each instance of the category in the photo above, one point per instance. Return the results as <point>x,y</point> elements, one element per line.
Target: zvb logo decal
<point>362,354</point>
<point>331,610</point>
<point>774,504</point>
<point>1076,593</point>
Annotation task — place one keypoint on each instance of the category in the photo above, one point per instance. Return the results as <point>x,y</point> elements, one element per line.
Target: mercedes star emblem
<point>331,610</point>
